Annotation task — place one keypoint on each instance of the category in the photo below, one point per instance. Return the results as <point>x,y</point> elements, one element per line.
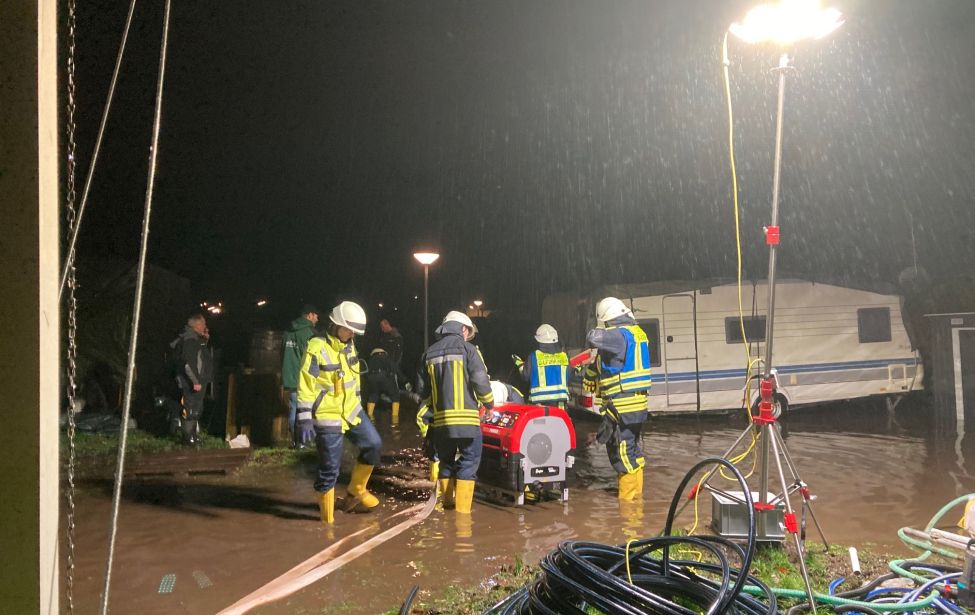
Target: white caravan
<point>830,342</point>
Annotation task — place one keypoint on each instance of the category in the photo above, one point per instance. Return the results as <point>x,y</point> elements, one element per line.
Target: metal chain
<point>72,304</point>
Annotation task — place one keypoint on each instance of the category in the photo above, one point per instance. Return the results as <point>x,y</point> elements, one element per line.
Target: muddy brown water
<point>223,537</point>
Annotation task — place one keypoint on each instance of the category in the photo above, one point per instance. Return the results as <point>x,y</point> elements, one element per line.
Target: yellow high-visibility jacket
<point>328,384</point>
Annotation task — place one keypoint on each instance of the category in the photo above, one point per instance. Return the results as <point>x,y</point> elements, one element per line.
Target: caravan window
<point>651,326</point>
<point>873,324</point>
<point>754,329</point>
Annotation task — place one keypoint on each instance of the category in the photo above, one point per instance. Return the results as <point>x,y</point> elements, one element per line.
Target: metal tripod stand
<point>765,427</point>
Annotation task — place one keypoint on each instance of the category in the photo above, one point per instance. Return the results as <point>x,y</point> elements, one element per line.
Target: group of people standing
<point>325,376</point>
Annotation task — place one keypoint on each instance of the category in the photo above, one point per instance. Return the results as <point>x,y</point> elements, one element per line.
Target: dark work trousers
<point>463,466</point>
<point>192,409</point>
<point>381,384</point>
<point>624,450</point>
<point>329,444</point>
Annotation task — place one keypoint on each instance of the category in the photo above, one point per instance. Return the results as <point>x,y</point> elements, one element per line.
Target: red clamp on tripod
<point>766,401</point>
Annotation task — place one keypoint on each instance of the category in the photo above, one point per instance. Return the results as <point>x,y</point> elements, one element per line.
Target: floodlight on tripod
<point>782,24</point>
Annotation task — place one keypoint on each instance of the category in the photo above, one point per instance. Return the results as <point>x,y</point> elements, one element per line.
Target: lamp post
<point>783,23</point>
<point>426,259</point>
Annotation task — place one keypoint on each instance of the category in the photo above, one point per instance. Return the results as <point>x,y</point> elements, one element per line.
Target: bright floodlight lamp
<point>426,258</point>
<point>478,302</point>
<point>787,22</point>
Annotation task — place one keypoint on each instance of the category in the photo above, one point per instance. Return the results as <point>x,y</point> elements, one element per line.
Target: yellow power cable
<point>725,62</point>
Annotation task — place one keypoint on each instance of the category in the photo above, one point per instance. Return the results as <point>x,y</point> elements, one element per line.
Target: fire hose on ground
<point>629,579</point>
<point>579,577</point>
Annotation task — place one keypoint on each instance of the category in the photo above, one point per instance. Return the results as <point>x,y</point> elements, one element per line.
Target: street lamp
<point>426,259</point>
<point>782,23</point>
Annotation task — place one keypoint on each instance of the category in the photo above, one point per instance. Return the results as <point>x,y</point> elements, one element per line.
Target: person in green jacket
<point>295,342</point>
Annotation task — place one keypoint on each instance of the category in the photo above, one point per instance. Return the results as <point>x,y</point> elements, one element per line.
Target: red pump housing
<point>527,450</point>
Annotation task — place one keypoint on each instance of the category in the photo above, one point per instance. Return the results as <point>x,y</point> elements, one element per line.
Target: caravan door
<point>678,343</point>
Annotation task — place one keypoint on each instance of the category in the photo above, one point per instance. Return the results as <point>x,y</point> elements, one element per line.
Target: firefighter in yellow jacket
<point>330,410</point>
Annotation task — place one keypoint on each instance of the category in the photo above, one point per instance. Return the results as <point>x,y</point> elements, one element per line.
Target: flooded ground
<point>223,537</point>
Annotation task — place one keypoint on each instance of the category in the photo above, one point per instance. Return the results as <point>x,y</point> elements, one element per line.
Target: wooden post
<point>30,365</point>
<point>230,428</point>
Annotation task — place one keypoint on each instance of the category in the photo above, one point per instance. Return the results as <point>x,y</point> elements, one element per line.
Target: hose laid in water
<point>328,560</point>
<point>582,575</point>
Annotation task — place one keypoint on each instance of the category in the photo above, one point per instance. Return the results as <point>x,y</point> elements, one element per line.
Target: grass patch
<point>269,456</point>
<point>99,449</point>
<point>474,600</point>
<point>105,445</point>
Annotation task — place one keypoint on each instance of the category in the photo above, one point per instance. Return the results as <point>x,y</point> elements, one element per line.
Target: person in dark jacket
<point>391,341</point>
<point>295,342</point>
<point>455,384</point>
<point>195,374</point>
<point>383,378</point>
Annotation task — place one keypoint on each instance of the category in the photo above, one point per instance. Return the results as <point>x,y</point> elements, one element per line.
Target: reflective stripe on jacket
<point>547,380</point>
<point>633,376</point>
<point>328,384</point>
<point>456,381</point>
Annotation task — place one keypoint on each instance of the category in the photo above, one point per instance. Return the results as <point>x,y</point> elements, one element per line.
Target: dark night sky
<point>308,147</point>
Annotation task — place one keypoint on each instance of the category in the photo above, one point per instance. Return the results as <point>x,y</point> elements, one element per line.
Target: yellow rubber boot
<point>465,496</point>
<point>639,483</point>
<point>326,506</point>
<point>371,410</point>
<point>357,487</point>
<point>395,408</point>
<point>630,485</point>
<point>435,472</point>
<point>447,492</point>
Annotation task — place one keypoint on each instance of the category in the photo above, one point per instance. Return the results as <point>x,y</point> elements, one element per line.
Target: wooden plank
<point>188,462</point>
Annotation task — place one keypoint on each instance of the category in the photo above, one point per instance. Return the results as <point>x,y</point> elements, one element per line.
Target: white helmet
<point>349,315</point>
<point>546,334</point>
<point>610,308</point>
<point>462,318</point>
<point>500,392</point>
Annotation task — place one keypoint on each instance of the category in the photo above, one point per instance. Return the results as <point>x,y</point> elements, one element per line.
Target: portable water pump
<point>527,450</point>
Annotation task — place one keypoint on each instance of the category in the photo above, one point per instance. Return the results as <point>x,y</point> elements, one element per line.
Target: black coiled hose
<point>579,576</point>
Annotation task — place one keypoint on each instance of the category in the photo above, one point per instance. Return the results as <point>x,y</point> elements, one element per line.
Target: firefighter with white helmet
<point>504,393</point>
<point>455,384</point>
<point>620,373</point>
<point>546,369</point>
<point>330,409</point>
